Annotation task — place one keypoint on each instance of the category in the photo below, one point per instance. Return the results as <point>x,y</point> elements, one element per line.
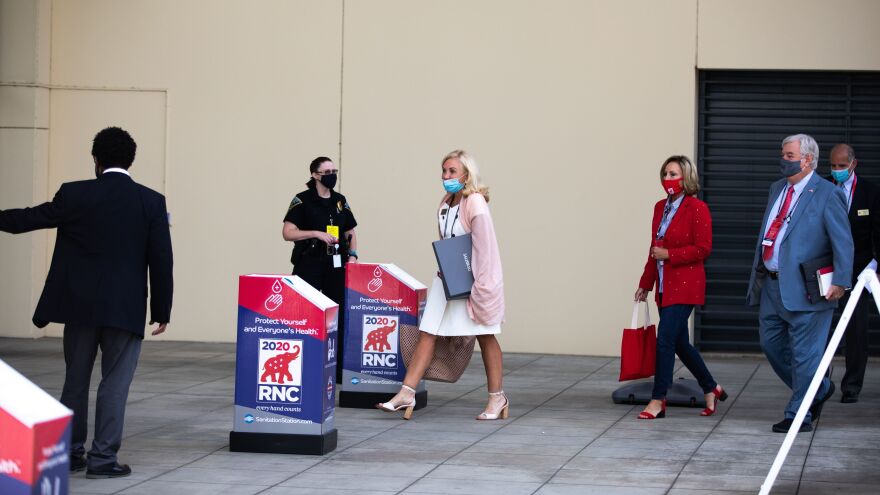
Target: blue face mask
<point>789,168</point>
<point>452,186</point>
<point>840,175</point>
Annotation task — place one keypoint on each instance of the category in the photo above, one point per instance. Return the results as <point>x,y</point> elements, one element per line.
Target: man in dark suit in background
<point>112,231</point>
<point>863,201</point>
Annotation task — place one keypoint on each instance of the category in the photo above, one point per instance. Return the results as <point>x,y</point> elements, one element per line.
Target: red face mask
<point>672,186</point>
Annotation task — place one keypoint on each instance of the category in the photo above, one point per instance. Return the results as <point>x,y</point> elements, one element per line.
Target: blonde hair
<point>472,182</point>
<point>690,181</point>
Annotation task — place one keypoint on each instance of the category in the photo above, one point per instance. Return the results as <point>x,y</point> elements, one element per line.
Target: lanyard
<point>326,206</point>
<point>782,201</point>
<point>446,223</point>
<point>852,192</point>
<point>666,211</point>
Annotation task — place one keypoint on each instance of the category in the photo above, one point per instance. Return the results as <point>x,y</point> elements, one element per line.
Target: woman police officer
<point>321,225</point>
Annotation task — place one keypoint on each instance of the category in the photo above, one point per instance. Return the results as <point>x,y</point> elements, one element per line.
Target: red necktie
<point>776,225</point>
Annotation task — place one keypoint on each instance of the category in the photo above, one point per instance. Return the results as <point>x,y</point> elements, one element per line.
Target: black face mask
<point>328,180</point>
<point>789,167</point>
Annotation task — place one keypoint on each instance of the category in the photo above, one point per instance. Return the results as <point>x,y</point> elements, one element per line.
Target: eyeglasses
<point>327,172</point>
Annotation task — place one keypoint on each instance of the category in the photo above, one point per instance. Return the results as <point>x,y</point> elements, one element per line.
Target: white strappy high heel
<point>502,413</point>
<point>390,406</point>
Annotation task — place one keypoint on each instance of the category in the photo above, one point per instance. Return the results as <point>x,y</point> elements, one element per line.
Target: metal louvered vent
<point>743,117</point>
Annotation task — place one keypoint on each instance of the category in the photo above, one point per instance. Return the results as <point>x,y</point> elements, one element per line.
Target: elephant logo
<point>378,339</point>
<point>277,367</point>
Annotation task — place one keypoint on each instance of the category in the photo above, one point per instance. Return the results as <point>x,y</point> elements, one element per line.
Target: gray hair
<point>808,147</point>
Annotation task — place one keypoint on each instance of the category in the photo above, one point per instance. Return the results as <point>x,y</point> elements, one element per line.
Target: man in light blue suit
<point>805,219</point>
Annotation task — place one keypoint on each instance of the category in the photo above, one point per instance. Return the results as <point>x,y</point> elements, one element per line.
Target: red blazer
<point>689,241</point>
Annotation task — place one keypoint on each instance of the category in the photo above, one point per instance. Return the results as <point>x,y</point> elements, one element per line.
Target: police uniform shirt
<point>308,211</point>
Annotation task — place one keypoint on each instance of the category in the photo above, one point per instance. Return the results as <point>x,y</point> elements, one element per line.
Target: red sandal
<point>719,394</point>
<point>661,414</point>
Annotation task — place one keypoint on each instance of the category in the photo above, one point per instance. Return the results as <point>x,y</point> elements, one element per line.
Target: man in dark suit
<point>112,231</point>
<point>863,201</point>
<point>805,220</point>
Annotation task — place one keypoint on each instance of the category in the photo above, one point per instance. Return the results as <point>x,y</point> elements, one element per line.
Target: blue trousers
<point>672,339</point>
<point>793,342</point>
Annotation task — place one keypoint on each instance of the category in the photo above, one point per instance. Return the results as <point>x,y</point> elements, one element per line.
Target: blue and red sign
<point>285,356</point>
<point>380,299</point>
<point>34,438</point>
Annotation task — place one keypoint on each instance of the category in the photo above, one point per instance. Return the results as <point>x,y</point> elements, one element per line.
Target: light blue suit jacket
<point>819,227</point>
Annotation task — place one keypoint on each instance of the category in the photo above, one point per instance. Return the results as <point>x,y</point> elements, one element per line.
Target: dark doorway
<point>743,117</point>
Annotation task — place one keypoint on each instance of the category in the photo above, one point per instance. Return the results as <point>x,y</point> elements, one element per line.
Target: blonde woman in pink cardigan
<point>463,211</point>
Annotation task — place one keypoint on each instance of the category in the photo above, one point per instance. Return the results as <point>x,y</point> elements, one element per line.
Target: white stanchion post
<point>874,287</point>
<point>867,277</point>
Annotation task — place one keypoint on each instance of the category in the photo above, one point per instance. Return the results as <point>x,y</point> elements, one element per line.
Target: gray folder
<point>454,257</point>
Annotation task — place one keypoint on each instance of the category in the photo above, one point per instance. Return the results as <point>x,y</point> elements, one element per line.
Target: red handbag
<point>638,348</point>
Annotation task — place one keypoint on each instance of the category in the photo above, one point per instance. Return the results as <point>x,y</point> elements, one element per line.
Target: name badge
<point>767,242</point>
<point>333,230</point>
<point>864,213</point>
<point>337,261</point>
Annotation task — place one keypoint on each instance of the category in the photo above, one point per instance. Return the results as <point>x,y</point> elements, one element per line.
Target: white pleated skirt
<point>450,318</point>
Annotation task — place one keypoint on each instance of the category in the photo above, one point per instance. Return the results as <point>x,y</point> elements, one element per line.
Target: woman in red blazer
<point>681,238</point>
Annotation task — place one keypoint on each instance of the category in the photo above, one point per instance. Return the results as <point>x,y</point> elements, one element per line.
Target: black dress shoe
<point>849,397</point>
<point>784,425</point>
<point>816,406</point>
<point>114,470</point>
<point>77,463</point>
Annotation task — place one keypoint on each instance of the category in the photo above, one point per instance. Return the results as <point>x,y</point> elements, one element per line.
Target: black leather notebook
<point>810,271</point>
<point>454,259</point>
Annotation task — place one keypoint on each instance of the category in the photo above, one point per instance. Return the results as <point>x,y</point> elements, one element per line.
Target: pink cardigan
<point>486,302</point>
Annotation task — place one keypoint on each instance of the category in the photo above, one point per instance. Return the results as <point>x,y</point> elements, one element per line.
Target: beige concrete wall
<point>789,34</point>
<point>252,96</point>
<point>24,140</point>
<point>569,106</point>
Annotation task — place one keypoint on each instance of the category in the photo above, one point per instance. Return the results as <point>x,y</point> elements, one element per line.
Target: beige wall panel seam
<point>40,239</point>
<point>167,147</point>
<point>36,51</point>
<point>51,40</point>
<point>37,33</point>
<point>49,244</point>
<point>341,92</point>
<point>697,35</point>
<point>80,87</point>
